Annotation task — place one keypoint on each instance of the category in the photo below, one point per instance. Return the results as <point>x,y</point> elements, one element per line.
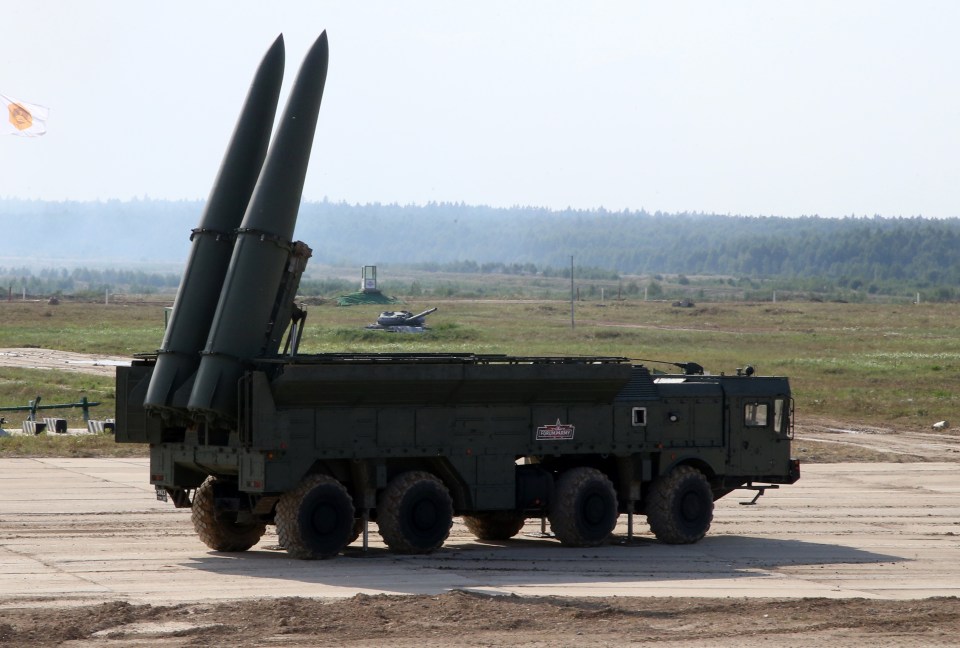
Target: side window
<point>639,416</point>
<point>755,415</point>
<point>778,416</point>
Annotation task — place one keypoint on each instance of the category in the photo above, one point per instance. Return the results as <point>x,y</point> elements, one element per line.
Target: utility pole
<point>573,323</point>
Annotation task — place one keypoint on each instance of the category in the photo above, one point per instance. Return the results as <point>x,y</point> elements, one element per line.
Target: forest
<point>874,253</point>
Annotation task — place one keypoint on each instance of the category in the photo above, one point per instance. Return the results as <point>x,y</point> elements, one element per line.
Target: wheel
<point>680,506</point>
<point>495,525</point>
<point>315,519</point>
<point>219,529</point>
<point>584,510</point>
<point>415,513</point>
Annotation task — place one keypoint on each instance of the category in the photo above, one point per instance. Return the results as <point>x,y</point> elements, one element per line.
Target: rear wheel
<point>494,525</point>
<point>218,528</point>
<point>315,520</point>
<point>680,506</point>
<point>415,513</point>
<point>584,510</point>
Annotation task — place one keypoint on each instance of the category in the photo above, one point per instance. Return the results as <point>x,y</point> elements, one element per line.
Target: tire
<point>415,513</point>
<point>584,508</point>
<point>495,525</point>
<point>315,519</point>
<point>680,506</point>
<point>219,529</point>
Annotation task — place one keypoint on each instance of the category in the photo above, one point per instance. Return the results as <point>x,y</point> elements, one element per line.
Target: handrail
<point>35,405</point>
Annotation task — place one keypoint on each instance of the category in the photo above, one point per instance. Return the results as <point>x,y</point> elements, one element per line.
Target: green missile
<point>243,318</point>
<point>213,239</point>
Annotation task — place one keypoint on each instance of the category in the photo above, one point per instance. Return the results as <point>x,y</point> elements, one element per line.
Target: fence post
<point>86,409</point>
<point>33,408</point>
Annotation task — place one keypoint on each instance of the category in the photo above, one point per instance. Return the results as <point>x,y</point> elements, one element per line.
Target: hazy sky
<point>775,108</point>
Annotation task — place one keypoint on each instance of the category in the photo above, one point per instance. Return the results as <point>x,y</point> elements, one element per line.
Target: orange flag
<point>22,118</point>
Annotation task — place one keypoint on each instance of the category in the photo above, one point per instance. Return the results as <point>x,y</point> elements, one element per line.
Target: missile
<point>193,309</point>
<point>241,323</point>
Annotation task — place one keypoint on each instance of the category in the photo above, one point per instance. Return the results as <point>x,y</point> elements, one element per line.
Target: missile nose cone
<point>321,48</point>
<point>245,156</point>
<point>276,199</point>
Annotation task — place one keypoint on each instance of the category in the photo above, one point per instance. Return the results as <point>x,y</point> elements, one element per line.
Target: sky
<point>737,107</point>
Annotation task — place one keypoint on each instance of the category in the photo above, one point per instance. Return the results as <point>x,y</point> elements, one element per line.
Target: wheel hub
<point>424,515</point>
<point>594,509</point>
<point>324,519</point>
<point>691,508</point>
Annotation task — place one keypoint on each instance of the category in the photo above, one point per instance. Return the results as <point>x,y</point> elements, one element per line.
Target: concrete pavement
<point>90,530</point>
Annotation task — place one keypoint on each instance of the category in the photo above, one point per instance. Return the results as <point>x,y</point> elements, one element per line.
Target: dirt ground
<point>467,619</point>
<point>470,619</point>
<point>85,363</point>
<point>820,440</point>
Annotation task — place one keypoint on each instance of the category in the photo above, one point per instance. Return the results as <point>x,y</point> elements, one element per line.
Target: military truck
<point>324,442</point>
<point>247,431</point>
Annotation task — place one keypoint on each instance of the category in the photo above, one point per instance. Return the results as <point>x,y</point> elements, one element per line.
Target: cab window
<point>755,415</point>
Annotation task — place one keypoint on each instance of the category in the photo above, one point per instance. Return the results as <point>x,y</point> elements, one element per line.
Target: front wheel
<point>315,519</point>
<point>680,506</point>
<point>584,509</point>
<point>415,513</point>
<point>218,528</point>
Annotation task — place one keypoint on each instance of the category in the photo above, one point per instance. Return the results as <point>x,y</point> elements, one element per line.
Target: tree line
<point>860,252</point>
<point>83,281</point>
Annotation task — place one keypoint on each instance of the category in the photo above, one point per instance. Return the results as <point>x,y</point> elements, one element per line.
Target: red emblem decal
<point>556,432</point>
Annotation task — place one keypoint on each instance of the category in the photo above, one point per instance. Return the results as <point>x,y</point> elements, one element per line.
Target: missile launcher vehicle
<point>248,432</point>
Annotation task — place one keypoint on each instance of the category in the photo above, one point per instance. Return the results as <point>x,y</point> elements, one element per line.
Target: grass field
<point>878,364</point>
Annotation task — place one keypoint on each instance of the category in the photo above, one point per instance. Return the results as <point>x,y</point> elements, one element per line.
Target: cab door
<point>758,430</point>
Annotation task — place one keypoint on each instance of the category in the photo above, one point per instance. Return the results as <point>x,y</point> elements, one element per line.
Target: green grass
<point>20,386</point>
<point>876,364</point>
<point>882,364</point>
<point>93,445</point>
<point>115,329</point>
